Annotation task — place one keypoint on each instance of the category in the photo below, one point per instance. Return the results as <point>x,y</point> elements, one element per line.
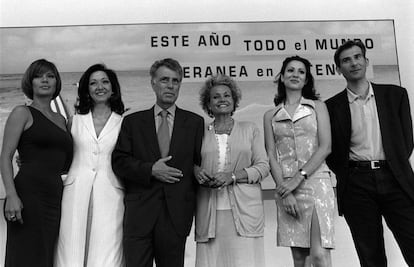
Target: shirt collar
<point>352,97</point>
<point>158,109</point>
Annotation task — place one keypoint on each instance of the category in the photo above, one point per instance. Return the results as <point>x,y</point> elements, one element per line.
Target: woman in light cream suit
<point>92,206</point>
<point>229,224</point>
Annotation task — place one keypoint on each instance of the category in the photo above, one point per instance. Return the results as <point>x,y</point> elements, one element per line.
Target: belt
<point>368,164</point>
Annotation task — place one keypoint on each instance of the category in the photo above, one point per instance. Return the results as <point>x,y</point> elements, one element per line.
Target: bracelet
<point>303,173</point>
<point>233,177</point>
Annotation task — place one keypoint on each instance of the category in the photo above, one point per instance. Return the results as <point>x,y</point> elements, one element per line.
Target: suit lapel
<point>381,110</point>
<point>178,133</point>
<point>113,120</point>
<point>344,113</point>
<point>150,133</point>
<point>88,122</point>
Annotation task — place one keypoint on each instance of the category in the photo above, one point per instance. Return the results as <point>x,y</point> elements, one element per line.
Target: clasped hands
<point>288,185</point>
<point>218,180</point>
<point>286,199</point>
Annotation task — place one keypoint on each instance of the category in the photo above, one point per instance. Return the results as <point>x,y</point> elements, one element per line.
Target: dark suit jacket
<point>396,130</point>
<point>132,159</point>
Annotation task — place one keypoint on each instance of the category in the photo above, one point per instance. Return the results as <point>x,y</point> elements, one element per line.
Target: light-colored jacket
<point>246,151</point>
<point>95,158</point>
<point>91,180</point>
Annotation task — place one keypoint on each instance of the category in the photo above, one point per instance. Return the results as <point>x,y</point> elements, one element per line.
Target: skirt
<point>313,195</point>
<point>228,249</point>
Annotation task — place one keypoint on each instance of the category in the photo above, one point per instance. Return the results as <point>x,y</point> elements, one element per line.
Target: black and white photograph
<point>288,133</point>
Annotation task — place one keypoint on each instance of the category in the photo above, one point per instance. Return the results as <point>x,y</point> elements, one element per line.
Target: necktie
<point>163,134</point>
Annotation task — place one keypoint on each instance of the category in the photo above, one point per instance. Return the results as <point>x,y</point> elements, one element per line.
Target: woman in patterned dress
<point>297,140</point>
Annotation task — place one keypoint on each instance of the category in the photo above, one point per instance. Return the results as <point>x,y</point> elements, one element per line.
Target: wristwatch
<point>303,173</point>
<point>233,177</point>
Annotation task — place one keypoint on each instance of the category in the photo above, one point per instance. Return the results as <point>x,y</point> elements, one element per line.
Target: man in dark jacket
<point>372,140</point>
<point>155,156</point>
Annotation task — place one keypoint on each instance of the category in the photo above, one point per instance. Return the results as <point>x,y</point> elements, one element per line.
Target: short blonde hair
<point>219,79</point>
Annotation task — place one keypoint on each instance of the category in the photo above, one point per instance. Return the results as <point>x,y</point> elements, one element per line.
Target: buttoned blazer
<point>92,154</point>
<point>396,129</point>
<point>133,157</point>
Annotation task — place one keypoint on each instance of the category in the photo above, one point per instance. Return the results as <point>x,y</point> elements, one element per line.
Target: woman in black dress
<point>33,197</point>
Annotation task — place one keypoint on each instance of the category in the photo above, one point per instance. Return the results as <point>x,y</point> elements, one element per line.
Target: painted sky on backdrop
<point>125,47</point>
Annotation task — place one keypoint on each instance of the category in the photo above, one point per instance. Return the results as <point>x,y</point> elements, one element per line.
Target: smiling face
<point>100,87</point>
<point>294,76</point>
<point>221,100</point>
<point>44,84</point>
<point>166,85</point>
<point>353,64</point>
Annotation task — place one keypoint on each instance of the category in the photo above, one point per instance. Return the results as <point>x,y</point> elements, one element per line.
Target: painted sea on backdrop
<point>257,97</point>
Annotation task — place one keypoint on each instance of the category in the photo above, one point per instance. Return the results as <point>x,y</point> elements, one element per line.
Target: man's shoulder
<point>383,86</point>
<point>336,98</point>
<point>190,114</point>
<point>389,91</point>
<point>138,115</point>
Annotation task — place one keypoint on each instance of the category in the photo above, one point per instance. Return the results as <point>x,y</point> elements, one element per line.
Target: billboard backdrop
<point>251,53</point>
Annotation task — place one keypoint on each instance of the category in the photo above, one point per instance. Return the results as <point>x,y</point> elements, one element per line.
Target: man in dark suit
<point>372,140</point>
<point>158,176</point>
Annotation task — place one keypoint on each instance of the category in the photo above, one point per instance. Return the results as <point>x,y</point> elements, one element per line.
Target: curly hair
<point>308,90</point>
<point>84,103</point>
<point>217,80</point>
<point>37,69</point>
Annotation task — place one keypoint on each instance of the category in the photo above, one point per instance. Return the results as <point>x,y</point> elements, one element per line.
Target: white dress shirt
<point>366,140</point>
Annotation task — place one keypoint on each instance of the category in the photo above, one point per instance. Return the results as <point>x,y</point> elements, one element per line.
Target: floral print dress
<point>296,139</point>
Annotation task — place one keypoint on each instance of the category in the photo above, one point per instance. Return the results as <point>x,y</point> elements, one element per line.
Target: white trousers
<point>3,234</point>
<point>91,225</point>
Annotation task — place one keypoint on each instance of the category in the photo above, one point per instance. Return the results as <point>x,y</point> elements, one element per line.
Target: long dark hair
<point>84,103</point>
<point>308,90</point>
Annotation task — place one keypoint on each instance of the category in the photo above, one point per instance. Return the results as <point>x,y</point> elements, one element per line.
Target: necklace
<point>226,129</point>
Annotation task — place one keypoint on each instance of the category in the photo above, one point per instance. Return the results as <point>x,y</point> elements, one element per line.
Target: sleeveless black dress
<point>45,151</point>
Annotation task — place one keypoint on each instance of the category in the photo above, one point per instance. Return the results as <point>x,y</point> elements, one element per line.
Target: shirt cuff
<point>253,175</point>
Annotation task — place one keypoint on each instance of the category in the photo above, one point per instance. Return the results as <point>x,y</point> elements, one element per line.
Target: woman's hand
<point>289,185</point>
<point>13,209</point>
<point>223,179</point>
<point>289,205</point>
<point>203,177</point>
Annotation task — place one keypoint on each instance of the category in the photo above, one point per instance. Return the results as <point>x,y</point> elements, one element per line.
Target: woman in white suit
<point>92,205</point>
